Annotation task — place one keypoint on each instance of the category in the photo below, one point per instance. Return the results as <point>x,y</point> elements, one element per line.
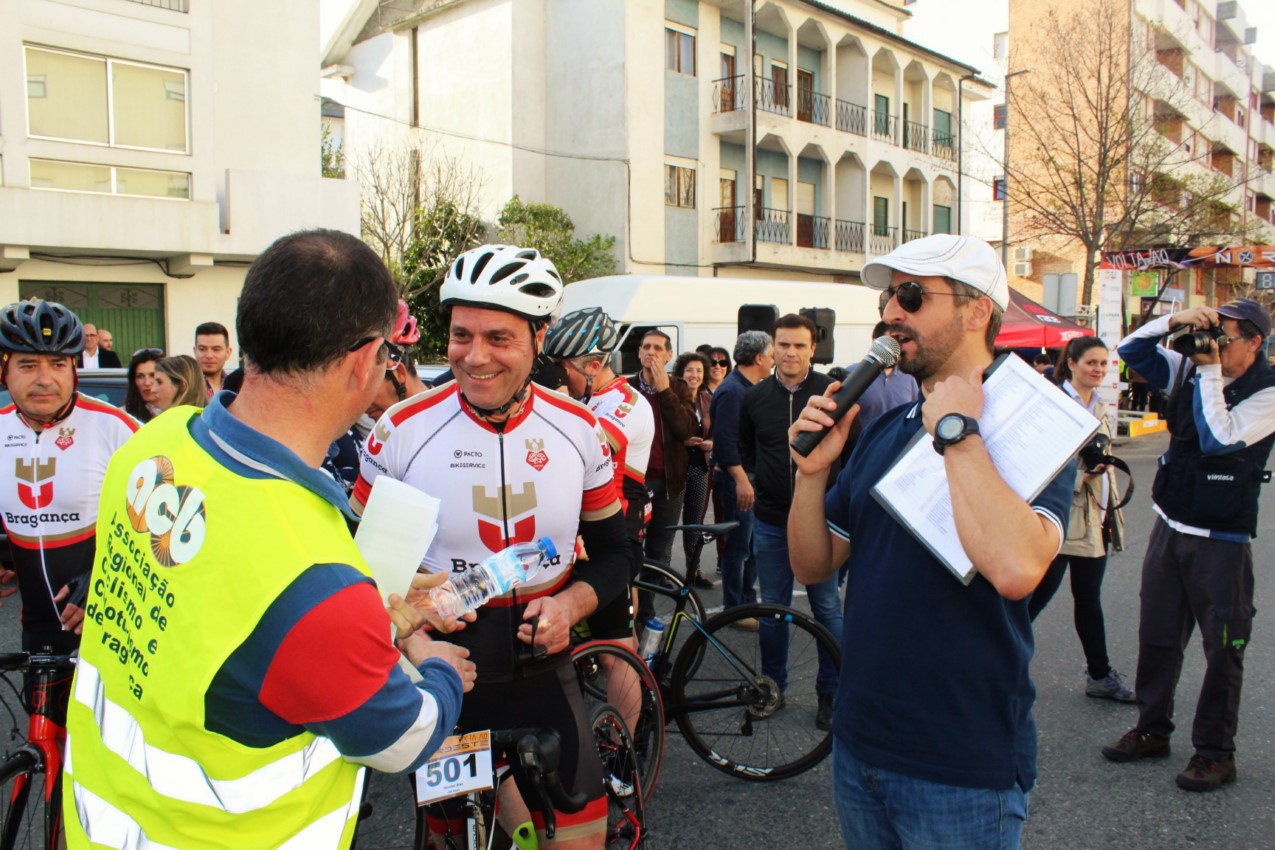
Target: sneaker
<point>1137,744</point>
<point>1206,774</point>
<point>745,624</point>
<point>823,716</point>
<point>1111,686</point>
<point>704,583</point>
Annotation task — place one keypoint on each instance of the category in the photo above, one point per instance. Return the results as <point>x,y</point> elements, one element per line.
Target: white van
<point>698,310</point>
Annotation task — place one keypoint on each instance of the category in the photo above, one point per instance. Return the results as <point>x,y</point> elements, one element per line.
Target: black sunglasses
<point>722,363</point>
<point>911,295</point>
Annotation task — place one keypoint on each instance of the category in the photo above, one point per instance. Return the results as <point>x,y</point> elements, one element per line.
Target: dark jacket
<point>105,359</point>
<point>724,413</point>
<point>675,424</point>
<point>765,415</point>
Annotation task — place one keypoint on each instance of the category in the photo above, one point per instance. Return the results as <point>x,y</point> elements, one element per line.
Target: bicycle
<point>29,766</point>
<point>731,711</point>
<point>534,753</point>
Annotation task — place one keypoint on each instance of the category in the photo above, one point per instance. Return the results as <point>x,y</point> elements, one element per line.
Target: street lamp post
<point>1005,175</point>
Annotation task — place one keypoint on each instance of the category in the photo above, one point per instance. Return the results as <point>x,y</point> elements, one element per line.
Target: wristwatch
<point>953,428</point>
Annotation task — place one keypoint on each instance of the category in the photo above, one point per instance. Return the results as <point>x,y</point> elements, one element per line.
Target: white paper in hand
<point>399,523</point>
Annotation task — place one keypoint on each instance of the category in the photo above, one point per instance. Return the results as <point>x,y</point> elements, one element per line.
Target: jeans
<point>770,545</point>
<point>880,809</point>
<point>664,512</point>
<point>1086,592</point>
<point>739,567</point>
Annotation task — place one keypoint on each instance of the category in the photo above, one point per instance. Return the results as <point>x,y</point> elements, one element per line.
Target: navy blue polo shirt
<point>935,677</point>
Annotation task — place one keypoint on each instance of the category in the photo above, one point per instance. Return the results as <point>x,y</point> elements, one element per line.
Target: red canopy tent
<point>1029,325</point>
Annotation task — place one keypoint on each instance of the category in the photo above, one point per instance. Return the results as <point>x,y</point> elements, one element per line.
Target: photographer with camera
<point>1199,562</point>
<point>1094,525</point>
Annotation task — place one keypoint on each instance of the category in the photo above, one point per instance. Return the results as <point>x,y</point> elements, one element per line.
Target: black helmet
<point>588,331</point>
<point>40,327</point>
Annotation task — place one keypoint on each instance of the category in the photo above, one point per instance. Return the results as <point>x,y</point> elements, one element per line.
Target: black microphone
<point>883,354</point>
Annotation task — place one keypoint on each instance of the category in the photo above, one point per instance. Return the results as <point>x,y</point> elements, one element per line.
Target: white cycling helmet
<point>504,277</point>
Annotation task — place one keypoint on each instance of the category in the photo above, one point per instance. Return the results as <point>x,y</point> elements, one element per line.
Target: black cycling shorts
<point>549,700</point>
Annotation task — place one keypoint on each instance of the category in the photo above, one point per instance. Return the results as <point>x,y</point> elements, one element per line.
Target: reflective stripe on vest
<point>107,825</point>
<point>182,778</point>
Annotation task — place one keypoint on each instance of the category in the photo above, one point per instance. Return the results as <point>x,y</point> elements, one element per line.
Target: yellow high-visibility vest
<point>189,557</point>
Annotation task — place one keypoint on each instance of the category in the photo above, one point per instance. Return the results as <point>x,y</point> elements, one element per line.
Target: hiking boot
<point>823,716</point>
<point>1110,686</point>
<point>1205,774</point>
<point>1137,744</point>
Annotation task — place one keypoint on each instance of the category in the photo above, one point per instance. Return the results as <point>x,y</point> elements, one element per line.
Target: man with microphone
<point>934,737</point>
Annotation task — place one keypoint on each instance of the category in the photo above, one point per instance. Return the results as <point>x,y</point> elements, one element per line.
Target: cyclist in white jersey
<point>513,462</point>
<point>56,446</point>
<point>582,343</point>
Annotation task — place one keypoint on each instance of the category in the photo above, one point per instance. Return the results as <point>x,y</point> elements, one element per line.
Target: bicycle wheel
<point>31,819</point>
<point>664,605</point>
<point>596,663</point>
<point>626,806</point>
<point>735,716</point>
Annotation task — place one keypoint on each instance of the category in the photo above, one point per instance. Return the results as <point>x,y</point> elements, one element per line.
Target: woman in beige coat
<point>1094,525</point>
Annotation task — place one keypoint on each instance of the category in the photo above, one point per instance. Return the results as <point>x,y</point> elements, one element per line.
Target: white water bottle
<point>497,574</point>
<point>652,639</point>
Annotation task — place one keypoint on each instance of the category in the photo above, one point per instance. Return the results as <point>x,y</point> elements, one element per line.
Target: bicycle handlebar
<point>539,752</point>
<point>18,661</point>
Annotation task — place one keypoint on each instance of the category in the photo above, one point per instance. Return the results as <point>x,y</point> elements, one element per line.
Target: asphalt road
<point>1080,800</point>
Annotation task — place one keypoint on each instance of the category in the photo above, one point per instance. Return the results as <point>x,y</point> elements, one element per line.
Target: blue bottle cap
<point>551,551</point>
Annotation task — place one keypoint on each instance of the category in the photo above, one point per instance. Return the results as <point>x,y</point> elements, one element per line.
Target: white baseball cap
<point>964,258</point>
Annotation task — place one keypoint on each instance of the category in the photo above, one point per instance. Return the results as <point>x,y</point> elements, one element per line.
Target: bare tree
<point>399,183</point>
<point>1102,146</point>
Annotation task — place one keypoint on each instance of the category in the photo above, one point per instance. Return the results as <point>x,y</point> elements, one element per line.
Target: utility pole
<point>1005,175</point>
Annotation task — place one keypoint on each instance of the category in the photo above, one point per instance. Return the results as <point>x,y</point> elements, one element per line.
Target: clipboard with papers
<point>1031,429</point>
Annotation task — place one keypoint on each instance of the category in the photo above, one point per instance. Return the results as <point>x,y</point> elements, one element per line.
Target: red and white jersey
<point>628,422</point>
<point>50,504</point>
<point>547,469</point>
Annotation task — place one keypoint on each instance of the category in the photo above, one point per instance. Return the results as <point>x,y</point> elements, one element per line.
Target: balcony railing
<point>728,94</point>
<point>849,235</point>
<point>883,126</point>
<point>916,136</point>
<point>773,226</point>
<point>812,231</point>
<point>170,5</point>
<point>883,240</point>
<point>814,108</point>
<point>852,118</point>
<point>772,97</point>
<point>909,235</point>
<point>944,146</point>
<point>731,223</point>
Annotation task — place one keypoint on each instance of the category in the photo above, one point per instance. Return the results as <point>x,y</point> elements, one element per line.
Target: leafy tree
<point>1100,140</point>
<point>331,155</point>
<point>440,233</point>
<point>551,231</point>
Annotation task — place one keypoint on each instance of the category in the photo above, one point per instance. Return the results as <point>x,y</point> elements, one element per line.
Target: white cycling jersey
<point>628,422</point>
<point>544,471</point>
<point>50,504</point>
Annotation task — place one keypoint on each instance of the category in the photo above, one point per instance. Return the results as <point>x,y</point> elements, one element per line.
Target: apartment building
<point>791,138</point>
<point>1212,100</point>
<point>150,149</point>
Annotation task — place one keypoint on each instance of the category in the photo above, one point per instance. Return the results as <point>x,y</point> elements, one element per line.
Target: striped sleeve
<point>320,659</point>
<point>1224,430</point>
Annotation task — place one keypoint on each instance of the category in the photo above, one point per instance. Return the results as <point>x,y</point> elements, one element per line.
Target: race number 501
<point>461,765</point>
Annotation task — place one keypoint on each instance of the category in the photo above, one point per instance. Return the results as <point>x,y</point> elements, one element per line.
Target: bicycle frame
<point>46,736</point>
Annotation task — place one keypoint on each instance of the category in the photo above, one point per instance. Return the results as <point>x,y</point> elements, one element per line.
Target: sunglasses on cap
<point>911,295</point>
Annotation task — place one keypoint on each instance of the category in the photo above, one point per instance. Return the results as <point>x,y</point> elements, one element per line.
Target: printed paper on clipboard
<point>1031,429</point>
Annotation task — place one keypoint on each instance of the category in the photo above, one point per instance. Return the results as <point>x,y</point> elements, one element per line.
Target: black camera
<point>1193,342</point>
<point>1096,452</point>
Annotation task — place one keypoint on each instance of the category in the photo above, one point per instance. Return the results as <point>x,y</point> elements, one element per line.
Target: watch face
<point>949,427</point>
